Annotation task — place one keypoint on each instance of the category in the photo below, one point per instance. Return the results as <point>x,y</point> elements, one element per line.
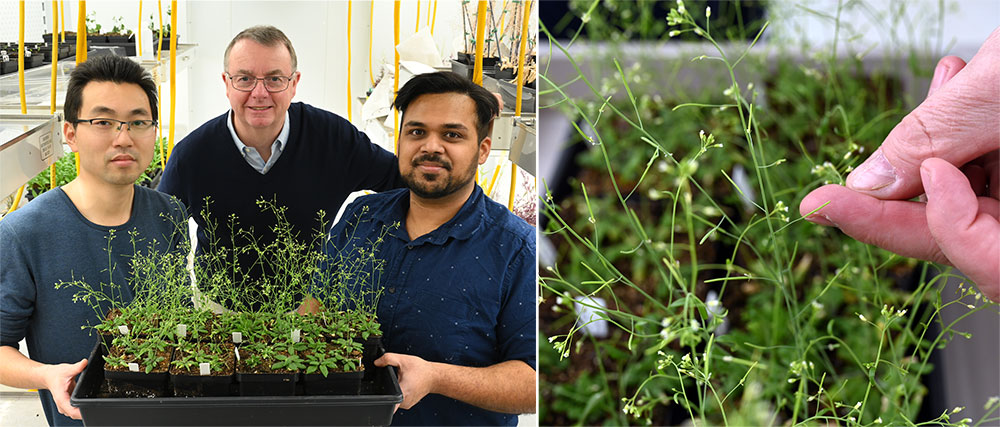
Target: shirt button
<point>392,290</point>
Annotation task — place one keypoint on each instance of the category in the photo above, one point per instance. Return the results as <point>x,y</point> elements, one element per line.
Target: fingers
<point>957,123</point>
<point>64,386</point>
<point>388,359</point>
<point>946,68</point>
<point>897,226</point>
<point>969,237</point>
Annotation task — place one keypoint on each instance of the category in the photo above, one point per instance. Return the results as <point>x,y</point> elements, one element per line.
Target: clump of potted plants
<point>162,344</point>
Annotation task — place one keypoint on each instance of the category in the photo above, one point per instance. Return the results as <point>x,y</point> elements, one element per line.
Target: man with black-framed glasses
<point>74,231</point>
<point>266,147</point>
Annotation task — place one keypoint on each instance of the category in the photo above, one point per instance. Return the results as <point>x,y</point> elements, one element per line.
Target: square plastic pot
<point>372,405</point>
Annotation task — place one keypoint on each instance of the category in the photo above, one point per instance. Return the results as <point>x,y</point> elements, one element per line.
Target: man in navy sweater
<point>65,233</point>
<point>303,158</point>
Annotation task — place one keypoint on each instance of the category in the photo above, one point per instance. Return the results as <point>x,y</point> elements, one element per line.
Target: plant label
<point>204,369</point>
<point>133,367</point>
<point>237,351</point>
<point>296,335</point>
<point>182,330</point>
<point>237,337</point>
<point>123,329</point>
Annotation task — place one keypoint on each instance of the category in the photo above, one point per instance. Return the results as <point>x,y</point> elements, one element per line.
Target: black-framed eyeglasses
<point>135,128</point>
<point>246,83</point>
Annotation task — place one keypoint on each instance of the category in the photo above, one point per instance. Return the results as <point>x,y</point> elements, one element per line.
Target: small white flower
<point>878,420</point>
<point>727,358</point>
<point>957,409</point>
<point>862,317</point>
<point>708,11</point>
<point>674,33</point>
<point>857,405</point>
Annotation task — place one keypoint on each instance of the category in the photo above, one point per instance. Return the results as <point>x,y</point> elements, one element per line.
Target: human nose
<point>258,89</point>
<point>432,144</point>
<point>122,134</point>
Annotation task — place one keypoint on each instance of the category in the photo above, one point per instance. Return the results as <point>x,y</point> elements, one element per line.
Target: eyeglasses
<point>136,128</point>
<point>245,83</point>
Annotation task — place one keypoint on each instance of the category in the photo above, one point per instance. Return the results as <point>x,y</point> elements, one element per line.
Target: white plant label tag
<point>296,335</point>
<point>237,337</point>
<point>204,369</point>
<point>182,330</point>
<point>123,329</point>
<point>237,351</point>
<point>133,367</point>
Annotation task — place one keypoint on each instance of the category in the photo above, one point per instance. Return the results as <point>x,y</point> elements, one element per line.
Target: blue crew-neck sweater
<point>49,241</point>
<point>325,159</point>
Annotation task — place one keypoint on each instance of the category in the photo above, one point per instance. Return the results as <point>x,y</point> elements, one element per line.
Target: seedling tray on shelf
<point>372,405</point>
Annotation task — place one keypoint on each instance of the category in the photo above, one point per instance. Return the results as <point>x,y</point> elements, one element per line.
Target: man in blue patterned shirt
<point>458,304</point>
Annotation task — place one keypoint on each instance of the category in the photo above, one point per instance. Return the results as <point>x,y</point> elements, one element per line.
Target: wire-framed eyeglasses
<point>137,128</point>
<point>246,83</point>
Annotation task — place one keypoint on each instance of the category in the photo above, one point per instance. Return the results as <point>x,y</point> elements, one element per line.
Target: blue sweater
<point>49,241</point>
<point>325,159</point>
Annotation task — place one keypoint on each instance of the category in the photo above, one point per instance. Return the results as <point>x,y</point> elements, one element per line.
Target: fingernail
<point>926,178</point>
<point>820,220</point>
<point>873,174</point>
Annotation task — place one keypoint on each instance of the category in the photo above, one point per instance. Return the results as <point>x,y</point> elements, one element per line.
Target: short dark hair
<point>264,35</point>
<point>487,106</point>
<point>109,68</point>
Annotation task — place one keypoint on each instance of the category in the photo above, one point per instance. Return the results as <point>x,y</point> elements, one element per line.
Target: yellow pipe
<point>20,80</point>
<point>81,50</point>
<point>395,78</point>
<point>520,58</point>
<point>477,72</point>
<point>159,43</point>
<point>503,16</point>
<point>434,20</point>
<point>52,89</point>
<point>173,73</point>
<point>428,14</point>
<point>138,31</point>
<point>81,34</point>
<point>493,181</point>
<point>371,26</point>
<point>20,57</point>
<point>62,19</point>
<point>513,183</point>
<point>349,60</point>
<point>416,26</point>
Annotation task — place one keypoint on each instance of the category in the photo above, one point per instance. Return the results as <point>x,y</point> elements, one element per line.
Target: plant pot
<point>504,74</point>
<point>336,383</point>
<point>372,406</point>
<point>508,91</point>
<point>461,69</point>
<point>267,384</point>
<point>137,384</point>
<point>202,385</point>
<point>96,39</point>
<point>117,39</point>
<point>373,349</point>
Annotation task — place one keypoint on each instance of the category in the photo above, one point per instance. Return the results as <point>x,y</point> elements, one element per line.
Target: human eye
<point>140,124</point>
<point>241,78</point>
<point>275,79</point>
<point>415,132</point>
<point>452,135</point>
<point>102,123</point>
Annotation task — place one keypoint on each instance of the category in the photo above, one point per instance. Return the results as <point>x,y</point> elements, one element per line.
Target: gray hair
<point>265,35</point>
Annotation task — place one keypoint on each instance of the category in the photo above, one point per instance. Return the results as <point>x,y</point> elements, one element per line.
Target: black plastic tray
<point>373,405</point>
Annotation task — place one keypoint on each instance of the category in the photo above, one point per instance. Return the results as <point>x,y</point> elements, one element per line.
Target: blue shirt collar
<point>282,139</point>
<point>462,226</point>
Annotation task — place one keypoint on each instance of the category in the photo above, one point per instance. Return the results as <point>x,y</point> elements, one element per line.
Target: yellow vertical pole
<point>428,19</point>
<point>173,73</point>
<point>138,30</point>
<point>159,95</point>
<point>20,80</point>
<point>520,57</point>
<point>81,32</point>
<point>349,51</point>
<point>395,78</point>
<point>435,18</point>
<point>81,49</point>
<point>477,71</point>
<point>371,27</point>
<point>62,19</point>
<point>52,90</point>
<point>416,26</point>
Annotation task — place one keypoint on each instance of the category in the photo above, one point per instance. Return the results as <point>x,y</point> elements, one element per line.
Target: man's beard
<point>435,186</point>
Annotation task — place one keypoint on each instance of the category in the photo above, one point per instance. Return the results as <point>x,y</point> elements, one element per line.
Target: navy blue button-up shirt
<point>463,294</point>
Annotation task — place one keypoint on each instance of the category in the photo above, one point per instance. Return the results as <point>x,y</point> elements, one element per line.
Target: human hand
<point>60,380</point>
<point>948,148</point>
<point>416,376</point>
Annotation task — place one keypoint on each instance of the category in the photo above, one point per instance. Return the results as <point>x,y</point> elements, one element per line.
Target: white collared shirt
<point>251,155</point>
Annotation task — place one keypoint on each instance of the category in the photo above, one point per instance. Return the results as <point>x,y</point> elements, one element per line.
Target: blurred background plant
<point>683,285</point>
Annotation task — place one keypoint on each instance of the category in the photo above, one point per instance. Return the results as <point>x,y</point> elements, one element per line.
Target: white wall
<point>891,24</point>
